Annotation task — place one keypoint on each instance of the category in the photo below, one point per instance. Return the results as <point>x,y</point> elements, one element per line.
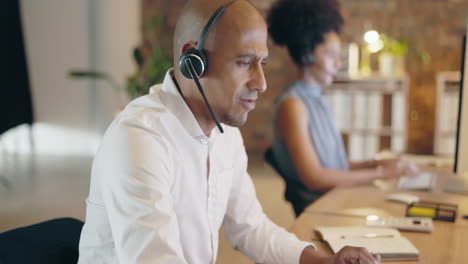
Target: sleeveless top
<point>324,135</point>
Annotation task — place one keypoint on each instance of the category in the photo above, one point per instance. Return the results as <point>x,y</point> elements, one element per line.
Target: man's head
<point>235,49</point>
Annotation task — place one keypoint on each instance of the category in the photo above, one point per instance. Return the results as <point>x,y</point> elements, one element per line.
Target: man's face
<point>234,76</point>
<point>327,59</point>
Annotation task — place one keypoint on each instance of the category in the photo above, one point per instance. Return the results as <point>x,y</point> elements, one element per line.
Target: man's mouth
<point>248,103</point>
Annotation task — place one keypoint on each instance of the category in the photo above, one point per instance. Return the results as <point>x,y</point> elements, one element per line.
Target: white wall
<point>71,115</point>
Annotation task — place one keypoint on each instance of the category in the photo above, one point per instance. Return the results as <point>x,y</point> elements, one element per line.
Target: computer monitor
<point>461,141</point>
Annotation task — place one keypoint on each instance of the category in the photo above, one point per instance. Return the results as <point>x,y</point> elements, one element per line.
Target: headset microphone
<point>193,63</point>
<point>188,64</point>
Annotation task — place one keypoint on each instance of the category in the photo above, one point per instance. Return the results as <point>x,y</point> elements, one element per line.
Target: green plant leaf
<point>87,74</point>
<point>396,47</point>
<point>424,56</point>
<point>151,70</point>
<point>138,57</point>
<point>154,22</point>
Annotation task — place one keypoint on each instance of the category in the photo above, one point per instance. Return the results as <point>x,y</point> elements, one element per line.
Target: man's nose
<point>257,81</point>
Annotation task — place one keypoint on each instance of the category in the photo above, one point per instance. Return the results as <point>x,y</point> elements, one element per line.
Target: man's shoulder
<point>145,121</point>
<point>144,111</point>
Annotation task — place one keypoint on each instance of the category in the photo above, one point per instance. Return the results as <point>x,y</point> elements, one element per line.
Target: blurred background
<point>60,39</point>
<point>430,40</point>
<point>72,65</point>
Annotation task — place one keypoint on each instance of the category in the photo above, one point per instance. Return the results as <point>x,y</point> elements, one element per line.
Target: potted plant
<point>392,55</point>
<point>150,71</point>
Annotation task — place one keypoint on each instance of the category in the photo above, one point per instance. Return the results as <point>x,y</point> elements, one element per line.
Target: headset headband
<point>211,23</point>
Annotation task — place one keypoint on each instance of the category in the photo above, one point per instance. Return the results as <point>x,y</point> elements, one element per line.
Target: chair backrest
<point>290,194</point>
<point>270,159</point>
<point>53,241</point>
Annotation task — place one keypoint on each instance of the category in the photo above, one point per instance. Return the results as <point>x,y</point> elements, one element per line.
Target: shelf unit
<point>447,99</point>
<point>371,113</point>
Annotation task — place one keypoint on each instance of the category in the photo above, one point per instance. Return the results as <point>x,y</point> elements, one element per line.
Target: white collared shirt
<point>152,199</point>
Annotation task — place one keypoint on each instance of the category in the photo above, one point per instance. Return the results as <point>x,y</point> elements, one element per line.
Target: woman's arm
<point>366,164</point>
<point>292,127</point>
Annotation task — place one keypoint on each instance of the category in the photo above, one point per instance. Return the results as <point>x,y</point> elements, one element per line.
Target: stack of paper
<point>424,181</point>
<point>387,242</point>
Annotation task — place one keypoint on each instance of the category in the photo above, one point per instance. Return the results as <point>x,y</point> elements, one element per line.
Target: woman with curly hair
<point>307,145</point>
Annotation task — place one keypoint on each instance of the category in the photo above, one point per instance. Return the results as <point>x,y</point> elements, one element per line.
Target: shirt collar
<point>174,102</point>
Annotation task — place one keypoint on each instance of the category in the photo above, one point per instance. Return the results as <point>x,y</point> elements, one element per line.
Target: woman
<point>307,145</point>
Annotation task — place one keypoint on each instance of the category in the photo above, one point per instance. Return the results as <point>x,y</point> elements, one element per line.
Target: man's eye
<point>244,63</point>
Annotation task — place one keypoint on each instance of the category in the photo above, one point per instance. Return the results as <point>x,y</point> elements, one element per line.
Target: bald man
<point>165,178</point>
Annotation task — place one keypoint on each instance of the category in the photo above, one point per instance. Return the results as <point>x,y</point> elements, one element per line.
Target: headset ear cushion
<point>195,58</point>
<point>308,59</point>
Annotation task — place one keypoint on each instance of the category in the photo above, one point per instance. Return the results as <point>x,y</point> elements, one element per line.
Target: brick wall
<point>435,26</point>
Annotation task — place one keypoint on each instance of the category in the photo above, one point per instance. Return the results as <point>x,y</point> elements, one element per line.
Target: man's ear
<point>188,45</point>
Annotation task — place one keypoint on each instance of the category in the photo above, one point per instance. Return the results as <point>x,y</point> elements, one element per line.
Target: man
<point>165,179</point>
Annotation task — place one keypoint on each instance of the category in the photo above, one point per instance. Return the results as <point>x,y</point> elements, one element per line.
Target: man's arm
<point>246,226</point>
<point>249,230</point>
<point>135,177</point>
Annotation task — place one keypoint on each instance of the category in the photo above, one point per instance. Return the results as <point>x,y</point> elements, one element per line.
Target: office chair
<point>51,242</point>
<point>294,192</point>
<point>271,160</point>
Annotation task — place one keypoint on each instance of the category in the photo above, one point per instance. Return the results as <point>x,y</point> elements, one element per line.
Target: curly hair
<point>300,25</point>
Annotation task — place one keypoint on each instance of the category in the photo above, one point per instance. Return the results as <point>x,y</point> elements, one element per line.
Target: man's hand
<point>355,255</point>
<point>347,255</point>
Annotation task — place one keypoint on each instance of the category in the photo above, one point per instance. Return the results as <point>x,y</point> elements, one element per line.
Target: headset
<point>193,63</point>
<point>308,59</point>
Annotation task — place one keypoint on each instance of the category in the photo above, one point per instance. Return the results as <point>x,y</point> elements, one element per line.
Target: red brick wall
<point>435,26</point>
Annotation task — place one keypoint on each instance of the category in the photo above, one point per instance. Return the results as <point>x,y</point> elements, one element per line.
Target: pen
<point>370,235</point>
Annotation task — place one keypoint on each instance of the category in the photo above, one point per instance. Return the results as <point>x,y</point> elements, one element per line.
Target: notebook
<point>424,181</point>
<point>387,242</point>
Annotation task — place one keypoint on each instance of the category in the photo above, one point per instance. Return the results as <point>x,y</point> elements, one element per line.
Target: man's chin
<point>235,121</point>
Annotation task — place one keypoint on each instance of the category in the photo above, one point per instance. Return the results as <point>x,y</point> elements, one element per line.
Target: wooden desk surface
<point>448,243</point>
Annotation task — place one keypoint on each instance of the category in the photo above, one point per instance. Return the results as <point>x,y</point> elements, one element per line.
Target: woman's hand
<point>398,167</point>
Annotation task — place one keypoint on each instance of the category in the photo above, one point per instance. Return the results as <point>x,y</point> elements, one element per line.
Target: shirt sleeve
<point>248,229</point>
<point>135,174</point>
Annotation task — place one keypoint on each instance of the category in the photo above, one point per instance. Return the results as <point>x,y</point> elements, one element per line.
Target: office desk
<point>448,243</point>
